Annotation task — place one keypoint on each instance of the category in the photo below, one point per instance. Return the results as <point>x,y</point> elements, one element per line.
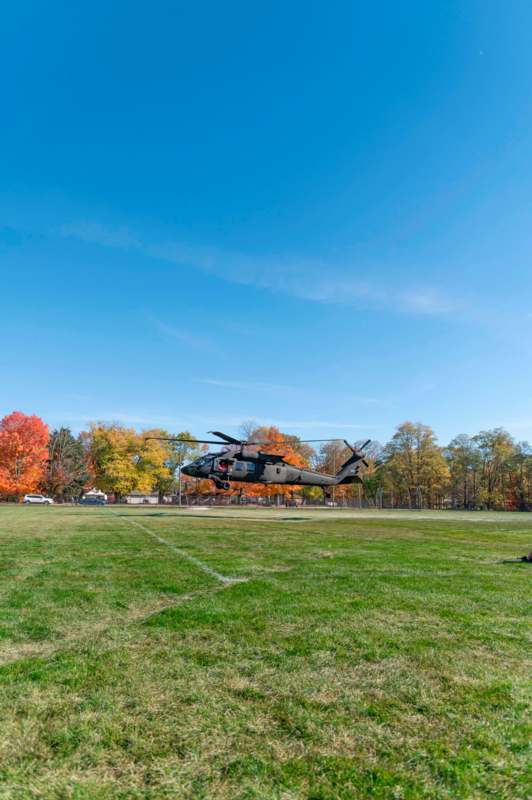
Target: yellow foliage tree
<point>416,465</point>
<point>155,464</point>
<point>113,452</point>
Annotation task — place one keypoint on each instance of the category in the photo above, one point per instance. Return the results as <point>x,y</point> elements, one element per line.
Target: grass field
<point>361,656</point>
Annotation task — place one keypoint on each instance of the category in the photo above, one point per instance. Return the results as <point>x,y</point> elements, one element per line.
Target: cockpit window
<point>203,460</point>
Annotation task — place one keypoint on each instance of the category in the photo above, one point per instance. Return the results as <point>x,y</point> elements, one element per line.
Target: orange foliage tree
<point>23,453</point>
<point>277,443</point>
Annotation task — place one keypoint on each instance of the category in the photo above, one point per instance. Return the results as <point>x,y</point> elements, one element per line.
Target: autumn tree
<point>464,462</point>
<point>23,454</point>
<point>158,462</point>
<point>123,460</point>
<point>67,471</point>
<point>296,452</point>
<point>521,468</point>
<point>334,454</point>
<point>153,464</point>
<point>414,463</point>
<point>496,450</point>
<point>114,453</point>
<point>161,455</point>
<point>329,460</point>
<point>271,440</point>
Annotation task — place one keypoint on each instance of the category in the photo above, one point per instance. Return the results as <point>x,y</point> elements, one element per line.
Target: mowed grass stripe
<point>86,572</point>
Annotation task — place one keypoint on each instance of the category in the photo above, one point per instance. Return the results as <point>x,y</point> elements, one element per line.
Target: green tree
<point>312,494</point>
<point>374,479</point>
<point>67,471</point>
<point>183,451</point>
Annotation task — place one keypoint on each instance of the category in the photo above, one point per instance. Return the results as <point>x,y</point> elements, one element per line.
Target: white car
<point>38,499</point>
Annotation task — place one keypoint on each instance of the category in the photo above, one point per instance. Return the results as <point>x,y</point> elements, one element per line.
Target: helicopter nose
<point>188,471</point>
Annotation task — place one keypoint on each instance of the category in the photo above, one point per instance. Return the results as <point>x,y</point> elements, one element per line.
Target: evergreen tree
<point>67,471</point>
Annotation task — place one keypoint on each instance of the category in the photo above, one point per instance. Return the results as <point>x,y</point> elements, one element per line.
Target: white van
<point>38,499</point>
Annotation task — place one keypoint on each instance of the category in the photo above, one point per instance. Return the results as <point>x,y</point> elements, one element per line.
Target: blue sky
<point>317,215</point>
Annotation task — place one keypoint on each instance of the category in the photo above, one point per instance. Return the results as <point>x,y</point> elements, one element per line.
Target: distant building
<point>138,499</point>
<point>96,494</point>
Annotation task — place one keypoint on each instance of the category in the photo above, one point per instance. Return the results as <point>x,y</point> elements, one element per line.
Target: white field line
<point>182,553</point>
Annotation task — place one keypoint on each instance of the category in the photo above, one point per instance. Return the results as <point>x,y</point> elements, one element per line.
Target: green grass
<point>365,656</point>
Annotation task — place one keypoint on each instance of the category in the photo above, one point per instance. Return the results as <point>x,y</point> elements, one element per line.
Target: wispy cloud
<point>372,401</point>
<point>178,253</point>
<point>307,279</point>
<point>95,233</point>
<point>428,301</point>
<point>183,336</point>
<point>324,286</point>
<point>258,386</point>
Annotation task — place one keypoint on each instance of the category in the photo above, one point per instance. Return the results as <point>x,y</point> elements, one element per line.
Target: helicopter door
<point>239,470</point>
<point>280,472</point>
<point>224,466</point>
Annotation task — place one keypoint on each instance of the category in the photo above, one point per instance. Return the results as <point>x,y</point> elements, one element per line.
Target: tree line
<point>488,470</point>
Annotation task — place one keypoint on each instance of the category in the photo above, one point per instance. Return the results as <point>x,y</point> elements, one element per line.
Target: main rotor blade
<point>239,443</point>
<point>228,439</point>
<point>178,439</point>
<point>296,442</point>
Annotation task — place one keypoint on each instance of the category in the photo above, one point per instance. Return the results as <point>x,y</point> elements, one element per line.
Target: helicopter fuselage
<point>244,462</point>
<point>225,467</point>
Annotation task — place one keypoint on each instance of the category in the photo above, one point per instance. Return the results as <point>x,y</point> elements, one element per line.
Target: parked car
<point>93,501</point>
<point>38,499</point>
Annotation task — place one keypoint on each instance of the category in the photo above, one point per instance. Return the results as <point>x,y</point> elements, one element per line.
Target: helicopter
<point>239,460</point>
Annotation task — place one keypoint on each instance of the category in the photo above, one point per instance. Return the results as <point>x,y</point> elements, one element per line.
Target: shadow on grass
<point>204,516</point>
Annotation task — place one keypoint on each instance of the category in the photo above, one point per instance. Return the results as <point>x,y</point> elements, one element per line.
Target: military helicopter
<point>240,461</point>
